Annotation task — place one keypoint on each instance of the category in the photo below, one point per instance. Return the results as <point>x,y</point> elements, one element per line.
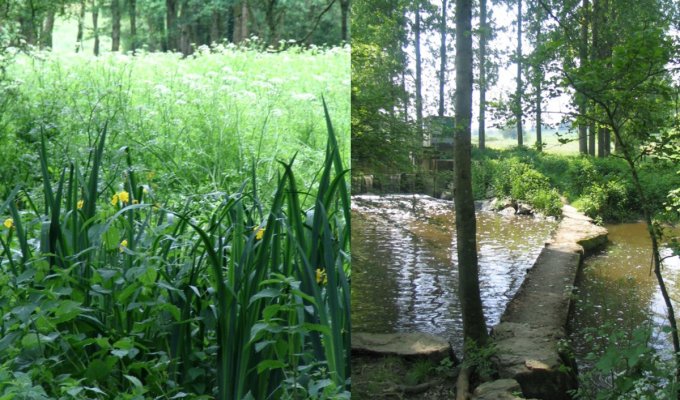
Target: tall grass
<point>116,284</point>
<point>212,116</point>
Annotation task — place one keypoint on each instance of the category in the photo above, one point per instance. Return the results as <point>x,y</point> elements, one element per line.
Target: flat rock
<point>501,389</point>
<point>410,345</point>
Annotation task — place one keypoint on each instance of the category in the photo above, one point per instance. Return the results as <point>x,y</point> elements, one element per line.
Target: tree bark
<point>539,117</point>
<point>81,24</point>
<point>483,26</point>
<point>270,17</point>
<point>215,20</point>
<point>580,99</point>
<point>46,37</point>
<point>115,25</point>
<point>474,325</point>
<point>419,82</point>
<point>518,101</point>
<point>172,37</point>
<point>442,60</point>
<point>591,139</point>
<point>133,24</point>
<point>95,25</point>
<point>344,10</point>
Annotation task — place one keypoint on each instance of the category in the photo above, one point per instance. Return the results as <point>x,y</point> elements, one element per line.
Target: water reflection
<point>618,291</point>
<point>404,277</point>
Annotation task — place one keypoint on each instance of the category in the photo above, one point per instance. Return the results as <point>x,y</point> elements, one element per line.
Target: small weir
<point>405,280</point>
<point>404,277</point>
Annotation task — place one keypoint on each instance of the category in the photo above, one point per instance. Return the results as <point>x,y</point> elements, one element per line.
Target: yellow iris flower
<point>9,223</point>
<point>81,204</point>
<point>123,245</point>
<point>321,277</point>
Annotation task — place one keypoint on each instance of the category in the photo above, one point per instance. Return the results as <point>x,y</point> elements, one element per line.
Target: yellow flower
<point>9,223</point>
<point>135,201</point>
<point>321,277</point>
<point>123,245</point>
<point>81,203</point>
<point>259,234</point>
<point>124,196</point>
<point>114,199</point>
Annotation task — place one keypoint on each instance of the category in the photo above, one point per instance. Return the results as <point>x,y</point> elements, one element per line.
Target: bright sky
<point>505,42</point>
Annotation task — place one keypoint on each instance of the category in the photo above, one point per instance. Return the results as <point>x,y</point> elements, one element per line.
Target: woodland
<point>174,203</point>
<point>543,102</point>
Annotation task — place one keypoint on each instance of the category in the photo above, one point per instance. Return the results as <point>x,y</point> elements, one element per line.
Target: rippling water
<point>404,276</point>
<point>618,291</point>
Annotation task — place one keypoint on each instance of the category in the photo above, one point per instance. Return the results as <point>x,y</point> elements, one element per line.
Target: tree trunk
<point>474,325</point>
<point>95,25</point>
<point>185,29</point>
<point>539,117</point>
<point>656,254</point>
<point>518,94</point>
<point>580,99</point>
<point>81,24</point>
<point>344,10</point>
<point>270,17</point>
<point>231,22</point>
<point>591,139</point>
<point>442,60</point>
<point>215,20</point>
<point>482,73</point>
<point>419,82</point>
<point>172,37</point>
<point>241,16</point>
<point>115,25</point>
<point>46,37</point>
<point>133,25</point>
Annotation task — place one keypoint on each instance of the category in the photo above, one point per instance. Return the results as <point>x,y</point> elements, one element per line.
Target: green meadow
<point>175,228</point>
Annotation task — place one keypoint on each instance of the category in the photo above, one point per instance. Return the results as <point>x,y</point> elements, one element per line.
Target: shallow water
<point>404,277</point>
<point>618,291</point>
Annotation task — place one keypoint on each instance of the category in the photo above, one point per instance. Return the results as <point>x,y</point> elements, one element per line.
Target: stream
<point>618,291</point>
<point>404,277</point>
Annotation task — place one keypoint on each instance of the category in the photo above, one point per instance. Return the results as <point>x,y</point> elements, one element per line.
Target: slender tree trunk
<point>484,30</point>
<point>241,26</point>
<point>580,99</point>
<point>270,17</point>
<point>133,25</point>
<point>185,31</point>
<point>405,92</point>
<point>442,61</point>
<point>419,82</point>
<point>474,325</point>
<point>115,25</point>
<point>518,94</point>
<point>215,34</point>
<point>231,23</point>
<point>591,139</point>
<point>48,29</point>
<point>95,25</point>
<point>81,25</point>
<point>539,117</point>
<point>172,37</point>
<point>656,254</point>
<point>597,54</point>
<point>344,11</point>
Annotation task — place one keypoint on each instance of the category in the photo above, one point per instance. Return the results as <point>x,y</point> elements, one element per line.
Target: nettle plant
<point>108,292</point>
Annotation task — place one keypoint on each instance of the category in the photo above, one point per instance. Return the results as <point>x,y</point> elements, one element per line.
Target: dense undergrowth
<point>154,246</point>
<point>600,187</point>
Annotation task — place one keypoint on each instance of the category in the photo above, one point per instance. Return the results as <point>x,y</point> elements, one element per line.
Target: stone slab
<point>409,345</point>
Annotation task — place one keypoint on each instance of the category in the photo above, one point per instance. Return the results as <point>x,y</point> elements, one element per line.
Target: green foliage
<point>479,359</point>
<point>609,201</point>
<point>520,181</point>
<point>229,108</point>
<point>113,287</point>
<point>625,367</point>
